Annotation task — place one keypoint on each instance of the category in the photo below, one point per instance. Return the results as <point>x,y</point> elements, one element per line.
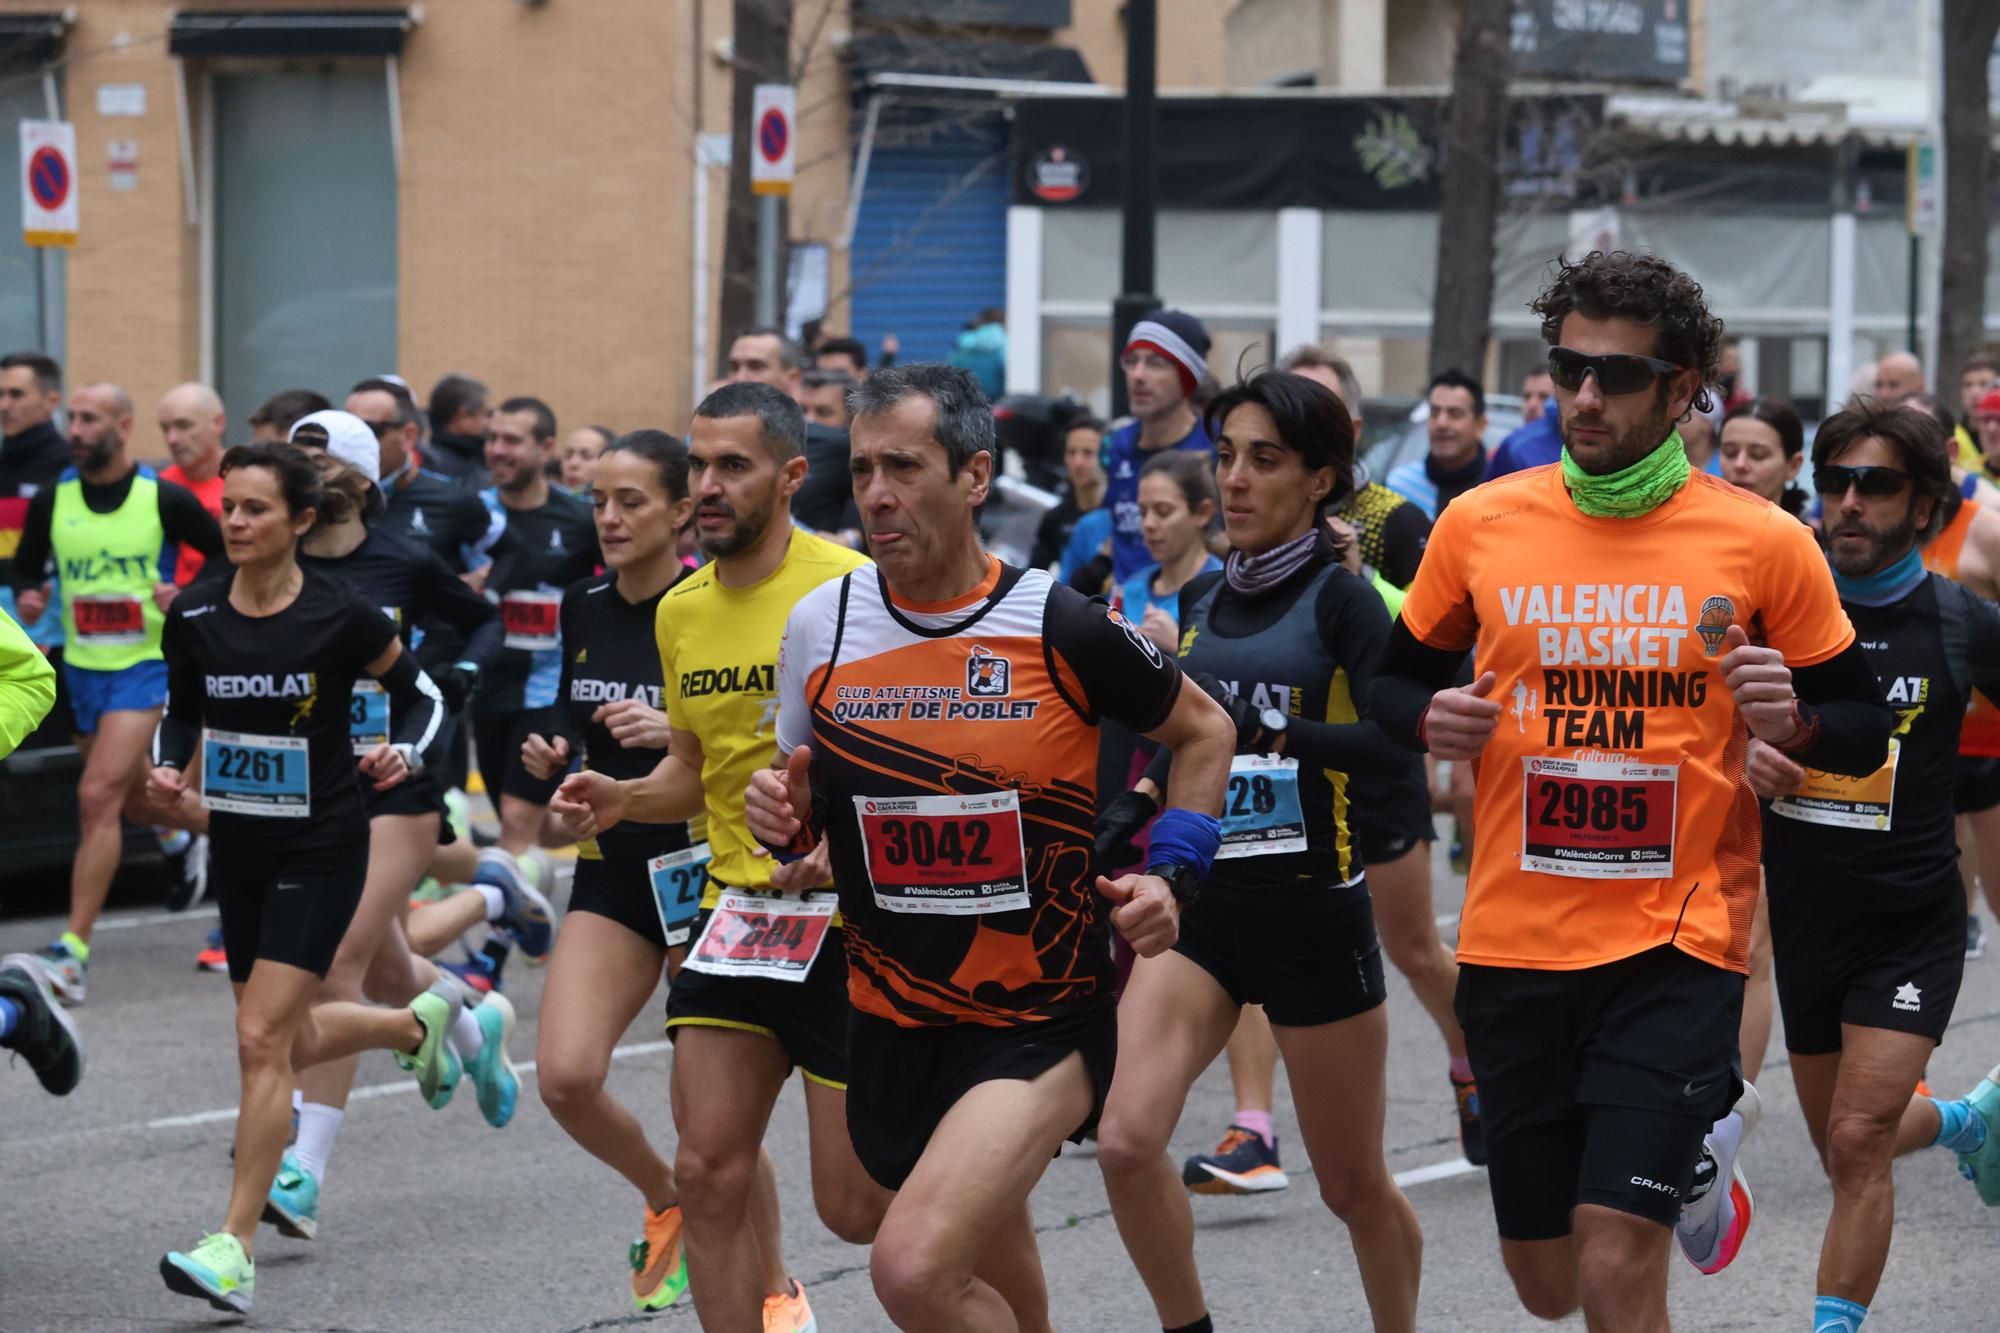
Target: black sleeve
<point>416,705</point>
<point>1353,626</point>
<point>1841,700</point>
<point>1983,643</point>
<point>570,718</point>
<point>1048,540</point>
<point>1410,673</point>
<point>31,556</point>
<point>1405,532</point>
<point>187,523</point>
<point>180,726</point>
<point>1124,674</point>
<point>448,599</point>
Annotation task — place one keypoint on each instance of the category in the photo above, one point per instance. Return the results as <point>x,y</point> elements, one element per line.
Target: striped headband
<point>1153,334</point>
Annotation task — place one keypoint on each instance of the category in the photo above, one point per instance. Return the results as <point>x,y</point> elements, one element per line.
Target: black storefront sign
<point>1624,41</point>
<point>1345,153</point>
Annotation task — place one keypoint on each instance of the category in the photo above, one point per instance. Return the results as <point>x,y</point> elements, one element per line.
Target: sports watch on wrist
<point>1182,880</point>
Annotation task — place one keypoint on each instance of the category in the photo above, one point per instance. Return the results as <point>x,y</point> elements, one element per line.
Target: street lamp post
<point>1136,297</point>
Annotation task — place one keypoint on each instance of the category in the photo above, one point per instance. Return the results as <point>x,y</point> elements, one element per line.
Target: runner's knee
<point>260,1043</point>
<point>1357,1193</point>
<point>1129,1144</point>
<point>914,1286</point>
<point>567,1084</point>
<point>1546,1287</point>
<point>1858,1146</point>
<point>850,1211</point>
<point>712,1182</point>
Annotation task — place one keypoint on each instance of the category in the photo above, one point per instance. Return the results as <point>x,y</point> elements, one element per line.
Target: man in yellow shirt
<point>764,987</point>
<point>27,685</point>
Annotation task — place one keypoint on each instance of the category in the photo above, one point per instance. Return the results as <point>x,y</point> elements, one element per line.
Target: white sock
<point>318,1127</point>
<point>298,1099</point>
<point>1725,1137</point>
<point>466,1038</point>
<point>496,901</point>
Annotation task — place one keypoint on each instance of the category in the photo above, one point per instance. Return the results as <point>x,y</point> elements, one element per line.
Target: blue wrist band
<point>1185,838</point>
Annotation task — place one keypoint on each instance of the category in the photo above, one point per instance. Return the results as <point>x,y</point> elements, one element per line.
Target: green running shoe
<point>436,1068</point>
<point>218,1272</point>
<point>493,1076</point>
<point>1982,1166</point>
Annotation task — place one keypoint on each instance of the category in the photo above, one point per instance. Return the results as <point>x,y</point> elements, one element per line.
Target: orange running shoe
<point>659,1269</point>
<point>789,1313</point>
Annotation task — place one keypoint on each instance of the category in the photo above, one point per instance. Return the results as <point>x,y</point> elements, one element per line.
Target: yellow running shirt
<point>719,674</point>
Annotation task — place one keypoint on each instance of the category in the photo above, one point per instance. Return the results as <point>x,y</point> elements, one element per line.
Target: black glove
<point>1123,819</point>
<point>456,685</point>
<point>1092,575</point>
<point>1252,736</point>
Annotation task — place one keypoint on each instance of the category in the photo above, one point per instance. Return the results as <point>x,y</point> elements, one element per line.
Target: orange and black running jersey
<point>1609,805</point>
<point>955,762</point>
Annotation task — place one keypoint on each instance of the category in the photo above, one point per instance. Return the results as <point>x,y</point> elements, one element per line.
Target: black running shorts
<point>1597,1085</point>
<point>809,1018</point>
<point>1309,956</point>
<point>1392,817</point>
<point>1898,971</point>
<point>419,795</point>
<point>621,889</point>
<point>285,906</point>
<point>496,744</point>
<point>905,1080</point>
<point>1977,786</point>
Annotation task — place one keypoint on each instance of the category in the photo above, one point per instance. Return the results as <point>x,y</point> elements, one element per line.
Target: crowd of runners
<point>998,857</point>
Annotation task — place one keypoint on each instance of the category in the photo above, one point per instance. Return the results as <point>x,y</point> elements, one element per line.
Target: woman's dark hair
<point>1783,418</point>
<point>1919,441</point>
<point>1193,472</point>
<point>297,474</point>
<point>663,451</point>
<point>1312,422</point>
<point>1646,288</point>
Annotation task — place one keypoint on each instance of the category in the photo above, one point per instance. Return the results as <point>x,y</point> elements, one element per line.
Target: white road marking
<point>155,918</point>
<point>1419,1175</point>
<point>1447,922</point>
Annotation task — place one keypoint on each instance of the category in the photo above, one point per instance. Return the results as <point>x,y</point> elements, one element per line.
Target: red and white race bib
<point>773,936</point>
<point>532,619</point>
<point>1598,818</point>
<point>947,855</point>
<point>108,618</point>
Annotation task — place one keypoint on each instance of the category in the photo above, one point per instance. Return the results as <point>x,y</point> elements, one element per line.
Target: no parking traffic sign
<point>773,140</point>
<point>48,182</point>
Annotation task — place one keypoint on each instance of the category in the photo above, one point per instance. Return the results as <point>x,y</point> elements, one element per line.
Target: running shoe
<point>789,1313</point>
<point>1716,1216</point>
<point>63,963</point>
<point>213,958</point>
<point>434,1064</point>
<point>493,1076</point>
<point>1975,936</point>
<point>659,1269</point>
<point>1241,1164</point>
<point>293,1204</point>
<point>1461,859</point>
<point>217,1271</point>
<point>524,914</point>
<point>185,874</point>
<point>1982,1165</point>
<point>428,890</point>
<point>475,973</point>
<point>45,1032</point>
<point>1471,1133</point>
<point>458,812</point>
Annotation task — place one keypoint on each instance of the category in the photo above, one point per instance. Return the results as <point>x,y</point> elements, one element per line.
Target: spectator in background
<point>1177,506</point>
<point>1456,460</point>
<point>823,395</point>
<point>982,349</point>
<point>33,453</point>
<point>1980,375</point>
<point>460,410</point>
<point>1165,359</point>
<point>1697,433</point>
<point>576,458</point>
<point>272,422</point>
<point>191,423</point>
<point>1083,462</point>
<point>1730,378</point>
<point>824,502</point>
<point>426,508</point>
<point>1537,388</point>
<point>842,355</point>
<point>766,356</point>
<point>1986,425</point>
<point>1897,376</point>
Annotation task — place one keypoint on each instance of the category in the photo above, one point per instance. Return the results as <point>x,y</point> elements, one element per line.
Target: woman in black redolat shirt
<point>260,667</point>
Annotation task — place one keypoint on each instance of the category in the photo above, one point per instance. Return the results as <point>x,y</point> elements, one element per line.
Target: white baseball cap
<point>348,438</point>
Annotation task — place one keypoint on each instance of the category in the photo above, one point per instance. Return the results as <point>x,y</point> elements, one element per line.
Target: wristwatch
<point>1183,880</point>
<point>1273,721</point>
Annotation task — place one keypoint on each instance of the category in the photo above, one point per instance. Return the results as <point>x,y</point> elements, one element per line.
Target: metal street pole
<point>1141,202</point>
<point>769,220</point>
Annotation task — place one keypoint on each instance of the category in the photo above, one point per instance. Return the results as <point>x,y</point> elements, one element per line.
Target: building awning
<point>362,32</point>
<point>31,39</point>
<point>961,65</point>
<point>1878,111</point>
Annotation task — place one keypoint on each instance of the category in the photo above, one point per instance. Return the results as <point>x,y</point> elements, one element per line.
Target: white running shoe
<point>1716,1216</point>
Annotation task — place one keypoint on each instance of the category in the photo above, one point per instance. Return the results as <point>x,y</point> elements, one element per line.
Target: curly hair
<point>1618,284</point>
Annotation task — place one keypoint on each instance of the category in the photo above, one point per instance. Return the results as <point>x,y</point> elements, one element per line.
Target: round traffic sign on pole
<point>48,177</point>
<point>773,133</point>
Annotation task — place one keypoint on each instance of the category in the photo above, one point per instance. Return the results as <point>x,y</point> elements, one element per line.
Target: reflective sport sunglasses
<point>1616,374</point>
<point>1832,481</point>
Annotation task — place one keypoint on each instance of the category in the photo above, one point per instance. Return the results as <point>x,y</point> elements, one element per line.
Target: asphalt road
<point>433,1221</point>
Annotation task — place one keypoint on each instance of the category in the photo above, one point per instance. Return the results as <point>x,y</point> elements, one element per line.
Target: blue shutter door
<point>930,246</point>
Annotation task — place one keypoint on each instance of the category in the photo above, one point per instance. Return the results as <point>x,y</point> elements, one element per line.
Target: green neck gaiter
<point>1632,491</point>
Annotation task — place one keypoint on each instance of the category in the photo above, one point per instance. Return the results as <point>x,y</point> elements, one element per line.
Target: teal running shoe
<point>217,1271</point>
<point>493,1076</point>
<point>1982,1165</point>
<point>434,1064</point>
<point>293,1204</point>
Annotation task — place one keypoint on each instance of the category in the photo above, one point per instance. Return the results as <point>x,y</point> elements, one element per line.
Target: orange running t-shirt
<point>1607,817</point>
<point>189,562</point>
<point>1979,734</point>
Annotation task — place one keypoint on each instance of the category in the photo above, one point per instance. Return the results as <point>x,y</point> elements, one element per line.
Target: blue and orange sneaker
<point>1241,1164</point>
<point>212,957</point>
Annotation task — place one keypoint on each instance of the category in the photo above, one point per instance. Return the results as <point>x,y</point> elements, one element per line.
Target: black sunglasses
<point>1832,481</point>
<point>381,428</point>
<point>1616,374</point>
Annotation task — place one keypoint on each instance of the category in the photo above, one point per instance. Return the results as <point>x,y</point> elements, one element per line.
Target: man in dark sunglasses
<point>1867,928</point>
<point>1605,933</point>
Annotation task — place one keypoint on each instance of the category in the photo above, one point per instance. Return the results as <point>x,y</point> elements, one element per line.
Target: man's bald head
<point>100,423</point>
<point>191,422</point>
<point>1897,376</point>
